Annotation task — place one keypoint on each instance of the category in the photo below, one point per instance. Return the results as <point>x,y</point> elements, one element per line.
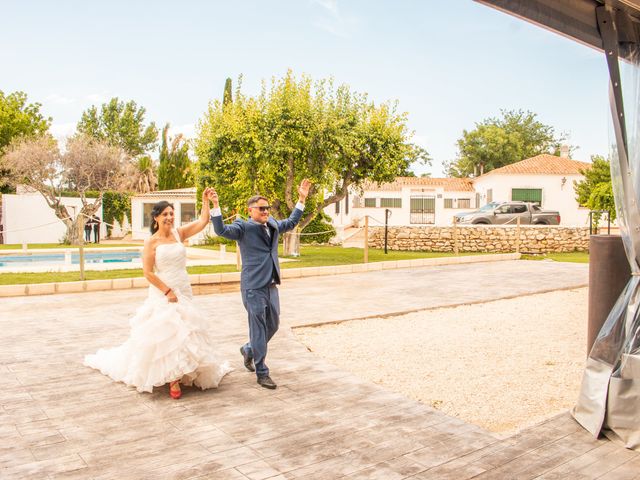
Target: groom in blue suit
<point>258,242</point>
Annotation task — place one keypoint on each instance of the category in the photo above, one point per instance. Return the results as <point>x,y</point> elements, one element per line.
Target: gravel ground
<point>502,365</point>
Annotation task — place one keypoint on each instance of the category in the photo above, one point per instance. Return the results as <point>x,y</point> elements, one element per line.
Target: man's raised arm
<point>232,231</point>
<point>291,222</point>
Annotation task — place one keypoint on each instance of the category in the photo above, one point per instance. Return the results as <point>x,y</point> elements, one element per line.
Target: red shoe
<point>175,393</point>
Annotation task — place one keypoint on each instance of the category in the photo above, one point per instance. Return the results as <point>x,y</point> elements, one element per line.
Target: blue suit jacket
<point>259,252</point>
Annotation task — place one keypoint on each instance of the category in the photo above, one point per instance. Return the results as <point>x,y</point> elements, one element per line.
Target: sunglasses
<point>264,208</point>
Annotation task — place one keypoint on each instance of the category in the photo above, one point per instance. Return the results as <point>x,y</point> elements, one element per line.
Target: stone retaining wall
<point>483,238</point>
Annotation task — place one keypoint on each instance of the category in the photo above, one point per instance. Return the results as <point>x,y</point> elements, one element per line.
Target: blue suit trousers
<point>263,308</point>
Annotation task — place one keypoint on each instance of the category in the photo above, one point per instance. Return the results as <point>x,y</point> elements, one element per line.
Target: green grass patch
<point>571,257</point>
<point>320,256</point>
<point>50,277</point>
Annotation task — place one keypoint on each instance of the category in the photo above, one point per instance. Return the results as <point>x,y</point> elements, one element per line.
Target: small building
<point>409,200</point>
<point>184,205</point>
<point>546,180</point>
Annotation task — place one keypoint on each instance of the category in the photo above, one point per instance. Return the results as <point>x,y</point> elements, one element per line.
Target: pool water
<point>59,258</point>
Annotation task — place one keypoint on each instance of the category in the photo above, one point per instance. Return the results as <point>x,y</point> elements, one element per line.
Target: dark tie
<point>266,231</point>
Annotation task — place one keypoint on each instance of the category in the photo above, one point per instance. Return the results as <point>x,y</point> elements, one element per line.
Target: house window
<point>346,204</point>
<point>533,195</point>
<point>490,195</point>
<point>464,203</point>
<point>478,200</point>
<point>369,202</point>
<point>337,207</point>
<point>187,213</point>
<point>391,203</point>
<point>146,214</point>
<point>448,203</point>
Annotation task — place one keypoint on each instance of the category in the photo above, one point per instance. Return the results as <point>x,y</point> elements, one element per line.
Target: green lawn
<point>572,257</point>
<point>34,246</point>
<point>310,256</point>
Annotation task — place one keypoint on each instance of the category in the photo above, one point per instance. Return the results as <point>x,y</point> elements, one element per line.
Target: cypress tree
<point>227,97</point>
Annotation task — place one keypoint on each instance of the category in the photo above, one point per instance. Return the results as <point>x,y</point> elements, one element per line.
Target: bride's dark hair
<point>158,208</point>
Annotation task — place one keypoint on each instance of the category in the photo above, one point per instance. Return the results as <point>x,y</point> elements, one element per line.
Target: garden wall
<point>483,238</point>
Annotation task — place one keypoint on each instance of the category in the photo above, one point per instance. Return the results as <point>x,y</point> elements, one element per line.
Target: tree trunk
<point>75,230</point>
<point>291,244</point>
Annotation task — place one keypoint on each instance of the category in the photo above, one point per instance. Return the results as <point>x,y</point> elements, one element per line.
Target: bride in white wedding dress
<point>169,340</point>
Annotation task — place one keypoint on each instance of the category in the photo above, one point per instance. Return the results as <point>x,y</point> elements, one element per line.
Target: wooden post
<point>81,261</point>
<point>518,235</point>
<point>456,250</point>
<point>366,239</point>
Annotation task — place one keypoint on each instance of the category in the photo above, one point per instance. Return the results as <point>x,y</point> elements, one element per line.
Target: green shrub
<point>215,240</point>
<point>115,205</point>
<point>321,225</point>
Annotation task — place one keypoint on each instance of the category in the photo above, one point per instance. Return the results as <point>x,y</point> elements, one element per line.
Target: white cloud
<point>333,20</point>
<point>101,97</point>
<point>59,99</point>
<point>330,5</point>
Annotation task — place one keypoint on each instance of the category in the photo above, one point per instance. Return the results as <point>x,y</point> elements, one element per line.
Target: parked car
<point>507,213</point>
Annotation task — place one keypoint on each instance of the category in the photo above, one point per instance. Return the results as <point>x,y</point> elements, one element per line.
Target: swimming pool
<point>67,260</point>
<point>22,260</point>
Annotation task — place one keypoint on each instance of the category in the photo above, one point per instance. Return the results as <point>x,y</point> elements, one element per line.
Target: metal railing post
<point>387,212</point>
<point>456,249</point>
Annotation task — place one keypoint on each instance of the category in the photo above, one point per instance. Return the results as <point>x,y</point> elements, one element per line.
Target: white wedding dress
<point>168,341</point>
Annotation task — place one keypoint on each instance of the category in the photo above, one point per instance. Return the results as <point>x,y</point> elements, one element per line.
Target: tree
<point>496,142</point>
<point>227,97</point>
<point>175,169</point>
<point>120,124</point>
<point>140,175</point>
<point>18,119</point>
<point>595,191</point>
<point>299,129</point>
<point>87,164</point>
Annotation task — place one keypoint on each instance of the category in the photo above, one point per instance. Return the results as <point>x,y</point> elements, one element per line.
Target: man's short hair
<point>255,199</point>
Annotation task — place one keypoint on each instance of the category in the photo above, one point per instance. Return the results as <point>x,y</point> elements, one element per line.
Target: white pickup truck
<point>507,213</point>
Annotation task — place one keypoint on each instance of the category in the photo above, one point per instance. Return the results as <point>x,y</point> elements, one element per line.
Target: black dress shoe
<point>266,382</point>
<point>248,361</point>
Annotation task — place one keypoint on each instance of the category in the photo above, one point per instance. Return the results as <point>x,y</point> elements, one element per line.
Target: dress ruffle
<point>168,341</point>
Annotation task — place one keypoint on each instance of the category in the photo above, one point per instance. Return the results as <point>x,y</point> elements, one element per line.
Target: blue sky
<point>449,64</point>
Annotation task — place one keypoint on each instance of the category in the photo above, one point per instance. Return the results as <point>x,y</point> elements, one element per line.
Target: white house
<point>545,179</point>
<point>26,218</point>
<point>410,201</point>
<point>184,205</point>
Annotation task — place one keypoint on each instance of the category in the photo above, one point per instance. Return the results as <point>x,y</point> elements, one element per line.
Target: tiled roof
<point>449,184</point>
<point>544,164</point>
<point>178,192</point>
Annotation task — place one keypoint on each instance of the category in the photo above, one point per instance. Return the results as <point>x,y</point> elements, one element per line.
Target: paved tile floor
<point>62,420</point>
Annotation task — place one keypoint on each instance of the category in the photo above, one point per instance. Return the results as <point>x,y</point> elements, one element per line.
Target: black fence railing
<point>594,221</point>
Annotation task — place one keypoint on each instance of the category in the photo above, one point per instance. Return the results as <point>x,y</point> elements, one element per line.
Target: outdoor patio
<point>63,420</point>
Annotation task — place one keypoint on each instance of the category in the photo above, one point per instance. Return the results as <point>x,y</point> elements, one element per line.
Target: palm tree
<point>141,175</point>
